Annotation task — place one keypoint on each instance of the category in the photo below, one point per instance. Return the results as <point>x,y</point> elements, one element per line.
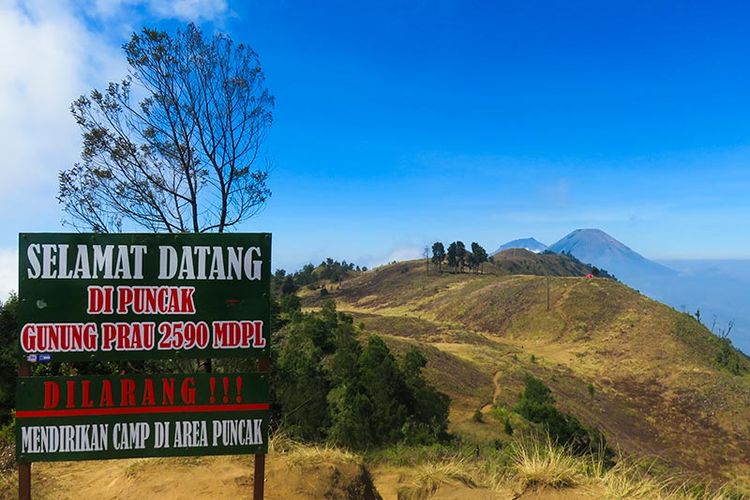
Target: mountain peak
<point>592,236</point>
<point>530,244</point>
<point>598,248</point>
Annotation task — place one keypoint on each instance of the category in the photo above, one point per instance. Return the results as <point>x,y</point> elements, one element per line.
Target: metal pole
<point>24,470</point>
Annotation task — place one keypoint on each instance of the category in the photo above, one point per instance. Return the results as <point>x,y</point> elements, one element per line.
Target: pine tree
<point>453,255</point>
<point>461,255</point>
<point>479,255</point>
<point>386,389</point>
<point>438,255</point>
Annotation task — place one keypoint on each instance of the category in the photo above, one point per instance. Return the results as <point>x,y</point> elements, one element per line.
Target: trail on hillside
<point>658,389</point>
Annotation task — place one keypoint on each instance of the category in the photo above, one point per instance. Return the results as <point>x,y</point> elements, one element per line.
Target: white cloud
<point>51,52</point>
<point>400,254</point>
<point>189,10</point>
<point>47,59</point>
<point>183,10</point>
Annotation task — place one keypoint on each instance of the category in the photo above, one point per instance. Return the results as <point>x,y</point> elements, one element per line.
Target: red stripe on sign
<point>78,412</point>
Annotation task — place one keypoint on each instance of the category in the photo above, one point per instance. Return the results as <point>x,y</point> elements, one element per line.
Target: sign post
<point>24,469</point>
<point>101,297</point>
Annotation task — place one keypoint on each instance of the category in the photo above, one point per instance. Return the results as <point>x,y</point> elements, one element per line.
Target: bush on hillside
<point>731,359</point>
<point>8,360</point>
<point>507,427</point>
<point>8,445</point>
<point>310,275</point>
<point>718,346</point>
<point>536,405</point>
<point>330,386</point>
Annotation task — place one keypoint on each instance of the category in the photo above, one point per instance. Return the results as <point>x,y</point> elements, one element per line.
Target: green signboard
<point>128,416</point>
<point>87,297</point>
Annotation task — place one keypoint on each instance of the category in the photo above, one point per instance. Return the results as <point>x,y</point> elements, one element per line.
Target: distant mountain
<point>718,288</point>
<point>594,246</point>
<point>530,244</point>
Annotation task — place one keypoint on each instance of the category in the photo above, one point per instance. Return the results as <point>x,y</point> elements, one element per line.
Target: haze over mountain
<point>716,288</point>
<point>530,244</point>
<point>596,247</point>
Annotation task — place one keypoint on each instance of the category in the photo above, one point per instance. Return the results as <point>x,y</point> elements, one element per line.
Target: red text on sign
<point>238,334</point>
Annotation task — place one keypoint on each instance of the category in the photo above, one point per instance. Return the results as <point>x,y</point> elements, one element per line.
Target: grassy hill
<point>522,261</point>
<point>653,379</point>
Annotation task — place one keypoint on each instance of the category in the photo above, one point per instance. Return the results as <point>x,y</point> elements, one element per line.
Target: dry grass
<point>534,464</point>
<point>631,479</point>
<point>625,481</point>
<point>531,464</point>
<point>279,442</point>
<point>426,479</point>
<point>8,484</point>
<point>298,454</point>
<point>543,463</point>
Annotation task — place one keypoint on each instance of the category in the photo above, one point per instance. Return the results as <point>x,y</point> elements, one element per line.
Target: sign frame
<point>235,307</point>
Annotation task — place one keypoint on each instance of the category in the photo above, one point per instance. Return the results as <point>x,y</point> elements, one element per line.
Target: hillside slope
<point>522,261</point>
<point>659,390</point>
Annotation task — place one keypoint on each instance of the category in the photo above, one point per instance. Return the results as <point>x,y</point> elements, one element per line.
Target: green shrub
<point>507,427</point>
<point>8,360</point>
<point>536,405</point>
<point>330,387</point>
<point>730,359</point>
<point>8,446</point>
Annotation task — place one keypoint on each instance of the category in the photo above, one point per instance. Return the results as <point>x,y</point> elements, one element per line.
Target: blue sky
<point>397,125</point>
<point>489,121</point>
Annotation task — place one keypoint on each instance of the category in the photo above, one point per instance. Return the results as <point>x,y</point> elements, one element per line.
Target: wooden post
<point>24,470</point>
<point>260,476</point>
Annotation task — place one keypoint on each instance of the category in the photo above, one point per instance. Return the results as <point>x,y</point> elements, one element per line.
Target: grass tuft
<point>544,464</point>
<point>427,478</point>
<point>297,454</point>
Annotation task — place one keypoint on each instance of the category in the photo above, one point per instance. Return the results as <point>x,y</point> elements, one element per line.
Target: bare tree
<point>724,333</point>
<point>186,157</point>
